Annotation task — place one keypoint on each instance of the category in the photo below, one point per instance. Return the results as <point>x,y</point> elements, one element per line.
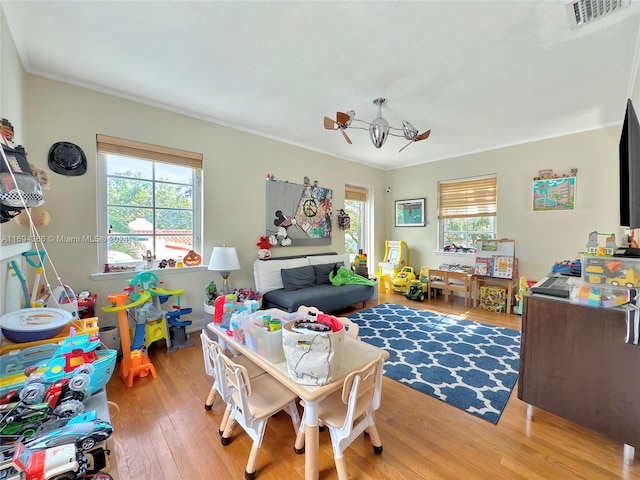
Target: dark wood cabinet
<point>575,363</point>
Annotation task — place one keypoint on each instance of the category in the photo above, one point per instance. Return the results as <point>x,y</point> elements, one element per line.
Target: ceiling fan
<point>379,128</point>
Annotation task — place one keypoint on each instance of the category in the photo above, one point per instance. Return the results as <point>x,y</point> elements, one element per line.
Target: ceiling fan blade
<point>342,118</point>
<point>329,124</point>
<point>406,146</point>
<point>346,137</point>
<point>423,135</point>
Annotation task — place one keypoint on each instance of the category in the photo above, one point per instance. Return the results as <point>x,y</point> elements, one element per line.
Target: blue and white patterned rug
<point>469,365</point>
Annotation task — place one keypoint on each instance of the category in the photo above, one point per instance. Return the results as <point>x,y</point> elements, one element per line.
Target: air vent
<point>584,12</point>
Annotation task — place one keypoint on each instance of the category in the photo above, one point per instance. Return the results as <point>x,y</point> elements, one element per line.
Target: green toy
<point>212,293</point>
<point>418,288</point>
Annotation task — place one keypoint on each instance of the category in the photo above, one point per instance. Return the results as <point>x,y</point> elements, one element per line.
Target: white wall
<point>236,165</point>
<point>235,168</point>
<point>11,108</point>
<point>542,238</point>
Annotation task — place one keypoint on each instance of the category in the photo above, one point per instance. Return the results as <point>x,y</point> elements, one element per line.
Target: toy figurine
<point>149,258</point>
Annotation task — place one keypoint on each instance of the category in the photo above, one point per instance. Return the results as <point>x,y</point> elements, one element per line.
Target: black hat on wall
<point>67,159</point>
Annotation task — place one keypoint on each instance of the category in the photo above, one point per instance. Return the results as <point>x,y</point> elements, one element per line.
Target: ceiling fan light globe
<point>378,131</point>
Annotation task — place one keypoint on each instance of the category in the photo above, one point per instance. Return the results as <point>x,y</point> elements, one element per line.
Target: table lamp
<point>224,259</point>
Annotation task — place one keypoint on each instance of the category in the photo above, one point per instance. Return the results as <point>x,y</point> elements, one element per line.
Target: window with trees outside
<point>355,204</point>
<point>467,211</point>
<point>152,201</point>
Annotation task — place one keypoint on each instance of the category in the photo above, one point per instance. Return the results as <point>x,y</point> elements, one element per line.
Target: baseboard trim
<point>196,325</point>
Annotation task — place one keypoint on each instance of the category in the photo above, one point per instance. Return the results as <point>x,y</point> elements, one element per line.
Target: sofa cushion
<point>267,272</point>
<point>297,278</point>
<point>326,298</point>
<point>323,270</point>
<point>320,259</point>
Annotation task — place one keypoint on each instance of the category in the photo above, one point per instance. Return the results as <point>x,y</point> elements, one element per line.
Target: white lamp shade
<point>224,259</point>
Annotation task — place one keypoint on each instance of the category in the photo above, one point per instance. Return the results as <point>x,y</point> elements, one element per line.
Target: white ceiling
<point>479,74</point>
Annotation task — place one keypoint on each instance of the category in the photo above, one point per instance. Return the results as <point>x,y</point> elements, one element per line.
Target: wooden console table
<point>575,364</point>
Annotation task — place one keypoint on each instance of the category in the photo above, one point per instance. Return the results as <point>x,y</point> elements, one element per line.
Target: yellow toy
<point>403,280</point>
<point>395,257</point>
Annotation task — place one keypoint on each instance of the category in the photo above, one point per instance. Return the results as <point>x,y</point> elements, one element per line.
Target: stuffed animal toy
<point>281,237</point>
<point>265,248</point>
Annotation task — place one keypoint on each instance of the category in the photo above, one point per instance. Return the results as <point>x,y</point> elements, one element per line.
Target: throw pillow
<point>322,272</point>
<point>297,278</point>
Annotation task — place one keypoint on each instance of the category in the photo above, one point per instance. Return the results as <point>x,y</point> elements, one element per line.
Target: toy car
<point>84,435</point>
<point>62,462</point>
<point>403,279</point>
<point>417,290</point>
<point>21,419</point>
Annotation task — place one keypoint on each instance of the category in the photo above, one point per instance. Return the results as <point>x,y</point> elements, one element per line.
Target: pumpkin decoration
<point>192,259</point>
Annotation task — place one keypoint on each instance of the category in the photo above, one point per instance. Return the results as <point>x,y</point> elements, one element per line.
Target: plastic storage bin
<point>611,271</point>
<point>604,296</point>
<point>258,337</point>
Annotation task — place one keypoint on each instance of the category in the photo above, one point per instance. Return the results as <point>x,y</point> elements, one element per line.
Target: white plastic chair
<point>253,401</point>
<point>351,328</point>
<point>209,348</point>
<point>349,412</point>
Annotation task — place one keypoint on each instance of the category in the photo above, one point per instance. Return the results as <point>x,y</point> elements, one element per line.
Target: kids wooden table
<point>355,355</point>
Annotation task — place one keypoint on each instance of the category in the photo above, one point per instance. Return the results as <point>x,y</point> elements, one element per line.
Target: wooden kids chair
<point>253,401</point>
<point>358,399</point>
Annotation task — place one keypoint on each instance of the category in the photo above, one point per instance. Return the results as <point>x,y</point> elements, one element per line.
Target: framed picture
<point>410,213</point>
<point>554,194</point>
<point>545,174</point>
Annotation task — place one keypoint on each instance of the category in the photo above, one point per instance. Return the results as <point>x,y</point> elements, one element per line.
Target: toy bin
<point>493,298</point>
<point>603,296</point>
<point>260,339</point>
<point>611,271</point>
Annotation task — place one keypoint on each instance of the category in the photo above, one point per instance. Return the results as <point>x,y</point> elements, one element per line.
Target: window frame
<point>362,194</point>
<point>157,154</point>
<point>456,202</point>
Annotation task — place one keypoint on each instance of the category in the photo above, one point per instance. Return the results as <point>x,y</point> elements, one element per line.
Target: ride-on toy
<point>403,279</point>
<point>419,286</point>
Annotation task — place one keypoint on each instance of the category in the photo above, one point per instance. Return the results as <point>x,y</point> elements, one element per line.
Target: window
<point>152,201</point>
<point>467,212</point>
<point>355,204</point>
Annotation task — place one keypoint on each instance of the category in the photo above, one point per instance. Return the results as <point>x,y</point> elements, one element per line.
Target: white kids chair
<point>340,411</point>
<point>253,401</point>
<point>209,348</point>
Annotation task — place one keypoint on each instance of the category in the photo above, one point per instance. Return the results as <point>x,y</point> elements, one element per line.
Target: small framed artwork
<point>410,213</point>
<point>545,174</point>
<point>554,194</point>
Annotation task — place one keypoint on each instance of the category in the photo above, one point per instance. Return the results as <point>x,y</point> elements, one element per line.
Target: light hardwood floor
<point>163,432</point>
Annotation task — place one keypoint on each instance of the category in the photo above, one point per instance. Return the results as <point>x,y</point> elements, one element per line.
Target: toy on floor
<point>150,320</point>
<point>395,257</point>
<point>402,281</point>
<point>177,328</point>
<point>419,286</point>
